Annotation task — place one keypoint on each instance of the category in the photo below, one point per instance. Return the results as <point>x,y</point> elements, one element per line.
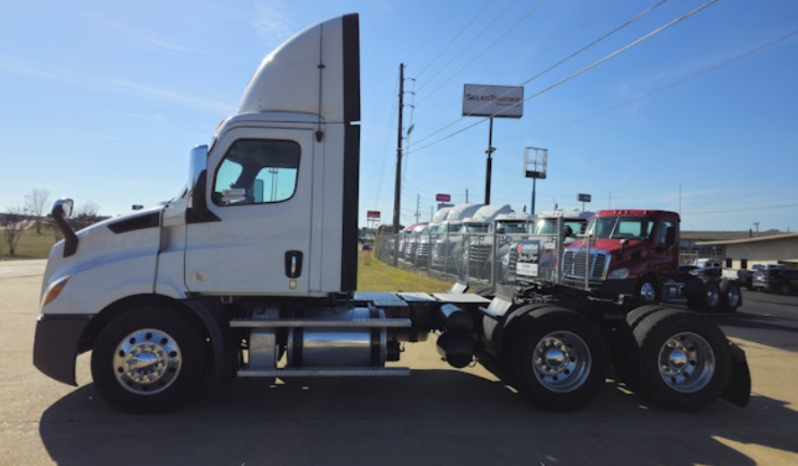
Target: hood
<point>138,232</point>
<point>606,245</point>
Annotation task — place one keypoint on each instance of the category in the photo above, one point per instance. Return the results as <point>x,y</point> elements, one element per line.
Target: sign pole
<point>490,162</point>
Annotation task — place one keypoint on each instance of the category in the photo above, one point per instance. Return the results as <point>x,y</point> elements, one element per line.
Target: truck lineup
<point>251,272</point>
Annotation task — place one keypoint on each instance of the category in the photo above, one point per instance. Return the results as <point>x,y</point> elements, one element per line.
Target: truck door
<point>664,259</point>
<point>259,189</point>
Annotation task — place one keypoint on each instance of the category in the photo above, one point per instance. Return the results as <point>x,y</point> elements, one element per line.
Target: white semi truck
<point>251,272</point>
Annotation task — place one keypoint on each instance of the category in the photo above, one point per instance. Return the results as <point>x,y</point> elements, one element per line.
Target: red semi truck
<point>636,253</point>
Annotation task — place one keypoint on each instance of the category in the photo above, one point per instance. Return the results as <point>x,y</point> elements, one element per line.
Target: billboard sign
<point>443,197</point>
<point>583,197</point>
<point>493,101</point>
<point>373,214</point>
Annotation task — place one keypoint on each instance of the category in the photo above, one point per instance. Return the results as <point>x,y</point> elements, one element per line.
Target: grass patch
<point>373,275</point>
<point>31,245</point>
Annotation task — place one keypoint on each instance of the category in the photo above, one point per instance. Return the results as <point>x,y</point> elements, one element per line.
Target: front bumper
<point>606,289</point>
<point>56,345</point>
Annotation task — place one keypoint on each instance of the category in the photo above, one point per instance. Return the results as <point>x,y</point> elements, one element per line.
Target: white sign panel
<point>493,101</point>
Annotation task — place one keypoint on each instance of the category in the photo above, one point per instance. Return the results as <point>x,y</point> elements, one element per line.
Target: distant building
<point>742,253</point>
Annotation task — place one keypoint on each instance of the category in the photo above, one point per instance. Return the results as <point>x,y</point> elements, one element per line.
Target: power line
<point>569,57</point>
<point>575,74</point>
<point>684,80</point>
<point>559,41</point>
<point>485,50</point>
<point>473,39</point>
<point>454,39</point>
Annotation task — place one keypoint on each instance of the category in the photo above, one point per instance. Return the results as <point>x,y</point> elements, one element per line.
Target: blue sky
<point>102,101</point>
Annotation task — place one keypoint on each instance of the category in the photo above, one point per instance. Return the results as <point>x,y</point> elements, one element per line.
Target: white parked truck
<point>252,273</point>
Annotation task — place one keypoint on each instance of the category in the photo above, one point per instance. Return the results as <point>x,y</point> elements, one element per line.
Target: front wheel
<point>557,359</point>
<point>684,360</point>
<point>148,359</point>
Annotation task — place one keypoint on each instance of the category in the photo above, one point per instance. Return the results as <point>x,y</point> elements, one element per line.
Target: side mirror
<point>197,163</point>
<point>198,209</point>
<point>62,209</point>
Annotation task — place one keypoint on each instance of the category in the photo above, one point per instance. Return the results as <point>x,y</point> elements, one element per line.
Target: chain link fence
<point>479,259</point>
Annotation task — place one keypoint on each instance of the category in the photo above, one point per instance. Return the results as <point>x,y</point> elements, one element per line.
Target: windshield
<point>636,228</point>
<point>512,227</point>
<point>546,226</point>
<point>476,228</point>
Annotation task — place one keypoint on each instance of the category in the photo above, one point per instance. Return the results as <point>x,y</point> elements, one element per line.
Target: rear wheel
<point>730,296</point>
<point>557,359</point>
<point>685,362</point>
<point>703,296</point>
<point>148,359</point>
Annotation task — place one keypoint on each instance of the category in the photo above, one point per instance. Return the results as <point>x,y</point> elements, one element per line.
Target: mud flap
<point>738,391</point>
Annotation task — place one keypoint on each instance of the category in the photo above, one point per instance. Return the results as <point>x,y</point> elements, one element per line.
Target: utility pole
<point>466,195</point>
<point>418,205</point>
<point>397,196</point>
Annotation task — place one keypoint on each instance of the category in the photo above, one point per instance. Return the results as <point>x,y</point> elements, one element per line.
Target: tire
<point>684,360</point>
<point>634,317</point>
<point>730,296</point>
<point>557,358</point>
<point>648,290</point>
<point>704,296</point>
<point>784,289</point>
<point>624,353</point>
<point>169,350</point>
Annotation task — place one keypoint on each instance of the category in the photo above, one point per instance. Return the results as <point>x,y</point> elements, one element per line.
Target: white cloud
<point>271,24</point>
<point>141,38</point>
<point>92,81</point>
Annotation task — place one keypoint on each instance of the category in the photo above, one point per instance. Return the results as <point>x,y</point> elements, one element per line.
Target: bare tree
<point>36,203</point>
<point>13,225</point>
<point>86,214</point>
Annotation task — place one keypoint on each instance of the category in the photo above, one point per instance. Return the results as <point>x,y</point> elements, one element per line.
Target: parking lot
<point>437,416</point>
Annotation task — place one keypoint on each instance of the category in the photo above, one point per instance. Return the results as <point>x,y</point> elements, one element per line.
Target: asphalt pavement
<point>438,415</point>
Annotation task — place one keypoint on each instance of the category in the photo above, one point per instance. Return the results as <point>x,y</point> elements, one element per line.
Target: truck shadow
<point>432,417</point>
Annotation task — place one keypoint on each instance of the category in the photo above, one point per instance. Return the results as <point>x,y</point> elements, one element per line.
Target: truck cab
<point>624,252</point>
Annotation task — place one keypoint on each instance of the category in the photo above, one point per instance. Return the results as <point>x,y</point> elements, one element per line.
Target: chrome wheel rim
<point>147,361</point>
<point>686,362</point>
<point>733,298</point>
<point>561,361</point>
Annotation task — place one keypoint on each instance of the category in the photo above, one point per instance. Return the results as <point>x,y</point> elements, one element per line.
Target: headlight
<point>619,274</point>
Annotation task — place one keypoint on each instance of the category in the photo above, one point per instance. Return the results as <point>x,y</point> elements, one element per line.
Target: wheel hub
<point>686,362</point>
<point>147,361</point>
<point>561,361</point>
<point>647,292</point>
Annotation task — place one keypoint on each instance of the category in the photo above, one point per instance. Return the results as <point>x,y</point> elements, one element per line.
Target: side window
<point>257,171</point>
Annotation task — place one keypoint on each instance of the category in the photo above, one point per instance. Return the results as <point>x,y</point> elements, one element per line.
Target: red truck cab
<point>626,252</point>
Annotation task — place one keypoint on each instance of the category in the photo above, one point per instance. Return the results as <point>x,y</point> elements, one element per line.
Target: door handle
<point>293,264</point>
